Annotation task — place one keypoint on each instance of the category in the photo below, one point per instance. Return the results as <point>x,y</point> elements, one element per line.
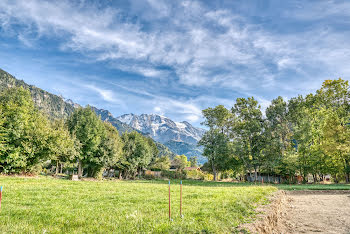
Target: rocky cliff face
<point>105,115</point>
<point>179,137</point>
<point>163,129</point>
<point>51,104</point>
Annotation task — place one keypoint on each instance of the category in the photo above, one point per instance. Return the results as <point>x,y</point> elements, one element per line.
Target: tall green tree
<point>216,150</point>
<point>2,134</point>
<point>216,141</point>
<point>180,162</point>
<point>113,145</point>
<point>90,131</point>
<point>217,118</point>
<point>27,131</point>
<point>247,128</point>
<point>334,103</point>
<point>161,163</point>
<point>277,136</point>
<point>138,153</point>
<point>62,146</point>
<point>193,161</point>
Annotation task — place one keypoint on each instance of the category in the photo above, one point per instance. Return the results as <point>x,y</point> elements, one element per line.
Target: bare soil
<point>304,212</point>
<point>319,211</point>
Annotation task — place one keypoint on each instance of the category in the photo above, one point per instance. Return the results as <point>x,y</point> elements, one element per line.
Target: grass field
<point>47,205</point>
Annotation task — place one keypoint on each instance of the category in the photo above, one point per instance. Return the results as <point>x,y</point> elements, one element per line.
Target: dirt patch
<point>271,218</point>
<point>319,211</point>
<point>308,211</point>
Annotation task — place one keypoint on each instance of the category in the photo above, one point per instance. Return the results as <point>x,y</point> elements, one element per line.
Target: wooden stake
<point>169,203</point>
<point>181,198</point>
<point>0,195</point>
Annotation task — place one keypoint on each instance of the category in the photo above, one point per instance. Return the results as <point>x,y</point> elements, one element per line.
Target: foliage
<point>113,146</point>
<point>180,162</point>
<point>190,150</point>
<point>199,175</point>
<point>91,134</point>
<point>246,130</point>
<point>27,132</point>
<point>62,146</point>
<point>139,152</point>
<point>216,149</point>
<point>164,151</point>
<point>193,161</point>
<point>304,136</point>
<point>160,164</point>
<point>174,174</point>
<point>2,134</point>
<point>50,104</point>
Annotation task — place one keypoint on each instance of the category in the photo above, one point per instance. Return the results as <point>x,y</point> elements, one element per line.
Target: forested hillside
<point>190,150</point>
<point>49,103</point>
<point>56,107</point>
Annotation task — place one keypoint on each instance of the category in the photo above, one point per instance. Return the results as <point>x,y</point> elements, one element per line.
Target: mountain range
<point>163,129</point>
<point>171,137</point>
<point>179,137</point>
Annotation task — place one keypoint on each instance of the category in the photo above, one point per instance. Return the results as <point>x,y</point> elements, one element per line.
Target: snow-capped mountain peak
<point>163,129</point>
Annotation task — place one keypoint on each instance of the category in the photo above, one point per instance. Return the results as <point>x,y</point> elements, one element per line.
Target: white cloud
<point>199,55</point>
<point>206,48</point>
<point>106,94</point>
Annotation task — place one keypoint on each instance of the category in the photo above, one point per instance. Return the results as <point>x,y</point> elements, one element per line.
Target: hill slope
<point>51,104</point>
<point>57,107</point>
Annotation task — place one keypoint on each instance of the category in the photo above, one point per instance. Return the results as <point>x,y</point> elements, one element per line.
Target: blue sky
<point>174,58</point>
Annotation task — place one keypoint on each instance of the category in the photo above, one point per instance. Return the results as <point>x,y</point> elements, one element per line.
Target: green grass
<point>47,205</point>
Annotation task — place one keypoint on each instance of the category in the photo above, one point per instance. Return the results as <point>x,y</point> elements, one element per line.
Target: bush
<point>195,175</point>
<point>149,177</point>
<point>173,174</point>
<point>208,177</point>
<point>99,173</point>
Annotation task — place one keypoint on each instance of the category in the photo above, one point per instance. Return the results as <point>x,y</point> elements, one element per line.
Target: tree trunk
<point>56,167</point>
<point>61,171</point>
<point>214,170</point>
<point>139,173</point>
<point>255,174</point>
<point>80,171</point>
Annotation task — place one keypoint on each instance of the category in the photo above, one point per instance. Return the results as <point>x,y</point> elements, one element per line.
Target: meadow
<point>48,205</point>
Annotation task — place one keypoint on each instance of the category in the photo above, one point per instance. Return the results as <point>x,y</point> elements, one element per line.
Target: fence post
<point>169,203</point>
<point>0,195</point>
<point>181,198</point>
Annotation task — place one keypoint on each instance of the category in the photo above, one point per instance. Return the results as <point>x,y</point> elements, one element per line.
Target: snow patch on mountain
<point>163,129</point>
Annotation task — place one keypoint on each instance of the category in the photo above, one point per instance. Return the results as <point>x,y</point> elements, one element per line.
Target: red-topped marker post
<point>169,203</point>
<point>181,198</point>
<point>0,195</point>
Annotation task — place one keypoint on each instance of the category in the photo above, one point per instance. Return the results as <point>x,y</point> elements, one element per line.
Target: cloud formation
<point>192,47</point>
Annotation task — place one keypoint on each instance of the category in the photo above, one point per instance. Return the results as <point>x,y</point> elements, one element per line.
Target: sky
<point>175,58</point>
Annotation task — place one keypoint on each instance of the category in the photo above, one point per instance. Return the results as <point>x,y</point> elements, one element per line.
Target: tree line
<point>31,140</point>
<point>306,135</point>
